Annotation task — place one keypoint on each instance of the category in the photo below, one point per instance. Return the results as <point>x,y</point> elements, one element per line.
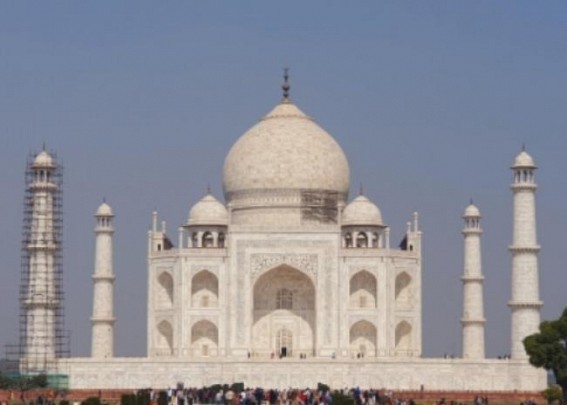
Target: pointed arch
<point>204,339</point>
<point>403,288</point>
<point>403,338</point>
<point>283,298</point>
<point>208,240</point>
<point>205,290</point>
<point>363,339</point>
<point>361,240</point>
<point>165,338</point>
<point>363,287</point>
<point>348,240</point>
<point>165,290</point>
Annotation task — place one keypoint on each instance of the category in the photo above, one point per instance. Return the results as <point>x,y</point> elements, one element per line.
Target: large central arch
<point>283,305</point>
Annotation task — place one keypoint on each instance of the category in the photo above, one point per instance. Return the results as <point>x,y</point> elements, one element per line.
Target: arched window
<point>375,239</point>
<point>284,299</point>
<point>208,240</point>
<point>221,240</point>
<point>348,240</point>
<point>361,240</point>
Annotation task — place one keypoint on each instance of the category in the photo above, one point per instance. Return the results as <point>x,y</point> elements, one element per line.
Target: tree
<point>548,349</point>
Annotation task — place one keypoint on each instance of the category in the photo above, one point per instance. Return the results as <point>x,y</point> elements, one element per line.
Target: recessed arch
<point>363,339</point>
<point>205,290</point>
<point>403,288</point>
<point>165,290</point>
<point>283,299</point>
<point>348,240</point>
<point>363,287</point>
<point>361,240</point>
<point>165,338</point>
<point>403,338</point>
<point>208,240</point>
<point>204,339</point>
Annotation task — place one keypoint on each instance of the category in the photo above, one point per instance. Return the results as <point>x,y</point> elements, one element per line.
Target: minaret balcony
<point>42,246</point>
<point>467,321</point>
<point>103,319</point>
<point>103,277</point>
<point>523,186</point>
<point>42,186</point>
<point>472,277</point>
<point>524,249</point>
<point>525,304</point>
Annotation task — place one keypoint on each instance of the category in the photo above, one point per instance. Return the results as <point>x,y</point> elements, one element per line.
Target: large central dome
<point>286,150</point>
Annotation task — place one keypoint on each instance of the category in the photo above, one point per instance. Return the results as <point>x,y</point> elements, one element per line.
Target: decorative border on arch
<point>197,268</point>
<point>262,262</point>
<point>354,319</point>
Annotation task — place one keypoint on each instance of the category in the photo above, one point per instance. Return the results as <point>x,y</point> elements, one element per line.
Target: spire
<point>361,190</point>
<point>285,85</point>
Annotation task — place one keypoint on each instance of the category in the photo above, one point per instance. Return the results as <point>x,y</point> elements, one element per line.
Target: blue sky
<point>431,101</point>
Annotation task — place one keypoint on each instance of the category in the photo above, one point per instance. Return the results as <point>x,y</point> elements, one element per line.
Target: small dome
<point>523,160</point>
<point>43,159</point>
<point>104,210</point>
<point>472,211</point>
<point>362,211</point>
<point>208,211</point>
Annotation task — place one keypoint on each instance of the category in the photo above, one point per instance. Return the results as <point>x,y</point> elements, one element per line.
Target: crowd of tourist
<point>258,396</point>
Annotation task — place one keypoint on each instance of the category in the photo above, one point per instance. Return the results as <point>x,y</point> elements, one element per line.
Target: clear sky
<point>431,101</point>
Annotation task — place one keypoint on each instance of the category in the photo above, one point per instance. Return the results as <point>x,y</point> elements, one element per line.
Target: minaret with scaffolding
<point>42,339</point>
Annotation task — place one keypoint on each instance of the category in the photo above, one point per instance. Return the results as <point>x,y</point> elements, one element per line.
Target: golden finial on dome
<point>285,85</point>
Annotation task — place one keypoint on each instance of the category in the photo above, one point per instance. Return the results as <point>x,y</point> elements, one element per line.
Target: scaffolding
<point>43,339</point>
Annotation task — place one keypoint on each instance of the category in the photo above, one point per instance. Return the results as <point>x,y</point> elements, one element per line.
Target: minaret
<point>41,292</point>
<point>103,279</point>
<point>473,308</point>
<point>524,303</point>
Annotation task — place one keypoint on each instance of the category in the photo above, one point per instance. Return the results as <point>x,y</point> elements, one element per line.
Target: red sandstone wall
<point>421,397</point>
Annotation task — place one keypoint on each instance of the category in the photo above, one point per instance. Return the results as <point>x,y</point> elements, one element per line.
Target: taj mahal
<point>283,282</point>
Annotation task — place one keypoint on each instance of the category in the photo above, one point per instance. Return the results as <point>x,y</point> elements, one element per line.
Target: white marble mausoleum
<point>286,281</point>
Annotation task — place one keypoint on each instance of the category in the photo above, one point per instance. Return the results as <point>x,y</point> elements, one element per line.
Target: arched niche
<point>283,299</point>
<point>403,288</point>
<point>205,290</point>
<point>165,338</point>
<point>363,290</point>
<point>363,339</point>
<point>204,339</point>
<point>165,290</point>
<point>403,338</point>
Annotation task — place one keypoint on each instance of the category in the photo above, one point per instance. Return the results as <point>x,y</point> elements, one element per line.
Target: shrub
<point>553,394</point>
<point>91,401</point>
